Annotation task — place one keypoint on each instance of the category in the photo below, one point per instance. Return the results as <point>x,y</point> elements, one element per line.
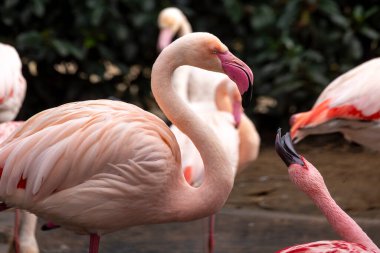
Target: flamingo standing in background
<point>24,237</point>
<point>308,179</point>
<point>218,116</point>
<point>13,84</point>
<point>200,88</point>
<point>12,94</point>
<point>99,166</point>
<point>350,105</point>
<point>198,85</point>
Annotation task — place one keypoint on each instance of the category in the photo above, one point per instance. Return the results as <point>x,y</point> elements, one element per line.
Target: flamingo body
<point>101,170</point>
<point>327,247</point>
<point>100,166</point>
<point>348,105</point>
<point>12,83</point>
<point>223,125</point>
<point>8,128</point>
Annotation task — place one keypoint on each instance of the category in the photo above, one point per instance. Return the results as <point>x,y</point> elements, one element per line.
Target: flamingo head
<point>169,22</point>
<point>227,98</point>
<point>211,54</point>
<point>206,51</point>
<point>301,172</point>
<point>238,72</point>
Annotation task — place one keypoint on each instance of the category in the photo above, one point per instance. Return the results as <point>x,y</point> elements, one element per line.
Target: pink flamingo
<point>24,239</point>
<point>348,105</point>
<point>12,94</point>
<point>202,89</point>
<point>218,116</point>
<point>198,85</point>
<point>99,166</point>
<point>308,179</point>
<point>12,83</point>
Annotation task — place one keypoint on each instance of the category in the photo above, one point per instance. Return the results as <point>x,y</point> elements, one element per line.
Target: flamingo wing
<point>353,96</point>
<point>64,147</point>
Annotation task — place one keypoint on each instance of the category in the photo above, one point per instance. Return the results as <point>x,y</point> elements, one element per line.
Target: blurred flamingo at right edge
<point>308,179</point>
<point>350,105</point>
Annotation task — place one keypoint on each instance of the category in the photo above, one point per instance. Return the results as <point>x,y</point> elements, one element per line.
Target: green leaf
<point>262,17</point>
<point>10,3</point>
<point>38,8</point>
<point>28,39</point>
<point>370,33</point>
<point>60,46</point>
<point>289,15</point>
<point>234,10</point>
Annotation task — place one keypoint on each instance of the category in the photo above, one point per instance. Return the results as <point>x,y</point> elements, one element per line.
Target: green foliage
<point>295,47</point>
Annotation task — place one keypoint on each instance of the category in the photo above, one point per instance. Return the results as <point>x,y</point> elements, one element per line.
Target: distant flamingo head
<point>170,21</point>
<point>228,99</point>
<point>302,173</point>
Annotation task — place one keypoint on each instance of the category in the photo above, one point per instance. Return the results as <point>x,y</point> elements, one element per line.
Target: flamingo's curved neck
<point>213,193</point>
<point>185,28</point>
<point>341,222</point>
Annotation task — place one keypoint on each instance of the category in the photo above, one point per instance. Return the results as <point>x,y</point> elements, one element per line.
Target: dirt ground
<point>351,173</point>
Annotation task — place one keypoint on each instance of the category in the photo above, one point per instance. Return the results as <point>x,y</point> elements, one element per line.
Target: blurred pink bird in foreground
<point>308,179</point>
<point>12,83</point>
<point>350,105</point>
<point>99,166</point>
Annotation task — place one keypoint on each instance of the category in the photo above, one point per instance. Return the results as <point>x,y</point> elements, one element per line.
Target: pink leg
<point>94,243</point>
<point>16,239</point>
<point>211,241</point>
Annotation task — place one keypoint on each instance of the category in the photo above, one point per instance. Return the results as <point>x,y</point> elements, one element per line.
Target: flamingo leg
<point>94,243</point>
<point>211,241</point>
<point>16,239</point>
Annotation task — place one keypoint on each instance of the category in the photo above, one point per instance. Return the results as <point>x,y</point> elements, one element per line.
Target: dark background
<point>295,48</point>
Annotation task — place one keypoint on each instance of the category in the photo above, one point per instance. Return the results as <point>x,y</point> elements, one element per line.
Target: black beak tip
<point>285,149</point>
<point>247,96</point>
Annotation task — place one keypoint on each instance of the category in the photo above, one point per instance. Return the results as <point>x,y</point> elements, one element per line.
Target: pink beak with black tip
<point>285,149</point>
<point>240,73</point>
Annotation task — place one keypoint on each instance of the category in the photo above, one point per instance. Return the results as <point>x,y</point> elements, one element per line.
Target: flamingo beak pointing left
<point>285,149</point>
<point>240,73</point>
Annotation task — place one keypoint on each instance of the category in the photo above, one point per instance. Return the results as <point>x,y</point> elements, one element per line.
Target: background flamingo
<point>197,85</point>
<point>349,105</point>
<point>308,179</point>
<point>200,88</point>
<point>100,166</point>
<point>13,84</point>
<point>12,94</point>
<point>24,239</point>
